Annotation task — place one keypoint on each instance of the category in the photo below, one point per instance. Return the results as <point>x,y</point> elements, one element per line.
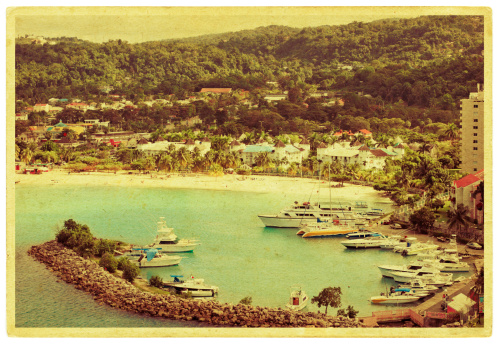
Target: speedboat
<point>169,242</point>
<point>370,242</point>
<point>418,284</point>
<point>300,213</point>
<point>423,267</point>
<point>325,230</point>
<point>298,299</point>
<point>151,258</point>
<point>192,286</point>
<point>362,233</point>
<point>401,295</point>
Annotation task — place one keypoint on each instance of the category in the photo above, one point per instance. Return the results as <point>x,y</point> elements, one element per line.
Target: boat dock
<point>431,308</point>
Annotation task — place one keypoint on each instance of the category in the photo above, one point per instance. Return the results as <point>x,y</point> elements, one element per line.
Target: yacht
<point>448,263</point>
<point>301,213</point>
<point>370,242</point>
<point>422,267</point>
<point>167,241</point>
<point>192,286</point>
<point>326,230</point>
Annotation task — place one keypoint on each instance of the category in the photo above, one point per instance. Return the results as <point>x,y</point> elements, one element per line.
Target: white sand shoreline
<point>287,185</point>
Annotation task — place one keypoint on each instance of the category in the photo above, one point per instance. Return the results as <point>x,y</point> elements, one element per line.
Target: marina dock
<point>431,308</point>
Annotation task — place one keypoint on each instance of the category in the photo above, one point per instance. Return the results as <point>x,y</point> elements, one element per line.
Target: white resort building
<point>161,145</point>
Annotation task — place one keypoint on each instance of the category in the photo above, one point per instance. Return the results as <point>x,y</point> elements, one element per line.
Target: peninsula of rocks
<point>116,292</point>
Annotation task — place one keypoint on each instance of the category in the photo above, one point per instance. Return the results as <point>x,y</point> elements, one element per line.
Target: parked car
<point>474,246</point>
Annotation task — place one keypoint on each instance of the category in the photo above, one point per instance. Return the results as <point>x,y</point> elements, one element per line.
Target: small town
<point>321,184</point>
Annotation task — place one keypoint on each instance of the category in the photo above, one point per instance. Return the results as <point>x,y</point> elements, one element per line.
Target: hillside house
<point>277,151</point>
<point>161,145</point>
<point>41,107</point>
<point>346,154</point>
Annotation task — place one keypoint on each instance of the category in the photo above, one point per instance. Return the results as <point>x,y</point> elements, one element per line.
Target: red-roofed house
<point>365,132</point>
<point>463,192</point>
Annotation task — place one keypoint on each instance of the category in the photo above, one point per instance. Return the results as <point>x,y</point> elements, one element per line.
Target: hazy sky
<point>140,24</point>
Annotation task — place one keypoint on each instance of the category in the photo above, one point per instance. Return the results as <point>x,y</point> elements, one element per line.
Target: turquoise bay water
<point>237,253</point>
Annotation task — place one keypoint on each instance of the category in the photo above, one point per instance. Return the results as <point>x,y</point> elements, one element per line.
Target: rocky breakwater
<point>114,291</point>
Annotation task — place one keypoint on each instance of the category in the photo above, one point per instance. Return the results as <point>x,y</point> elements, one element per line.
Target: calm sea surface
<point>237,253</point>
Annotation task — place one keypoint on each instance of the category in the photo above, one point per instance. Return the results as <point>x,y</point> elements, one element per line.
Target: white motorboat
<point>422,267</point>
<point>418,284</point>
<point>448,263</point>
<point>301,213</point>
<point>404,243</point>
<point>437,280</point>
<point>192,286</point>
<point>169,242</point>
<point>412,250</point>
<point>402,295</point>
<point>298,299</point>
<point>391,242</point>
<point>363,233</point>
<point>370,242</point>
<point>326,230</point>
<point>151,258</point>
<point>427,277</point>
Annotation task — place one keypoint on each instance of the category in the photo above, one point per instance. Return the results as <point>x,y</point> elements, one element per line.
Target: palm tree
<point>459,218</point>
<point>452,132</point>
<point>27,155</point>
<point>263,159</point>
<point>183,157</point>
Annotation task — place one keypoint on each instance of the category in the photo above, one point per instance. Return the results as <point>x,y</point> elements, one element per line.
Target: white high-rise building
<point>472,129</point>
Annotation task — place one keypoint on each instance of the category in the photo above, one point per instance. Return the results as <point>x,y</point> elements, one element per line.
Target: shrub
<point>130,271</point>
<point>104,246</point>
<point>155,281</point>
<point>246,300</point>
<point>121,262</point>
<point>108,262</point>
<point>77,237</point>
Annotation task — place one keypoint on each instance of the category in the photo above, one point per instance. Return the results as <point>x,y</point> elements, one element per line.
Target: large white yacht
<point>167,241</point>
<point>300,213</point>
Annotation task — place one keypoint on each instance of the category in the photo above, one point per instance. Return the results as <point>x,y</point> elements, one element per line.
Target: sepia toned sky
<point>139,24</point>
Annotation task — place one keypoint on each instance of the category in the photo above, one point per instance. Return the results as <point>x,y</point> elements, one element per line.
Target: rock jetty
<point>116,292</point>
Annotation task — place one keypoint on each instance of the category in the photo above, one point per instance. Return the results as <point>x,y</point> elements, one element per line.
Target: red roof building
<point>463,192</point>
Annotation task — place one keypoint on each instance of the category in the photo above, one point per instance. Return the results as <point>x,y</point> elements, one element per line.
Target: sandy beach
<point>233,182</point>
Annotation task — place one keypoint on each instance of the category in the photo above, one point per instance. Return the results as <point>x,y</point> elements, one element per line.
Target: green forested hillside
<point>428,62</point>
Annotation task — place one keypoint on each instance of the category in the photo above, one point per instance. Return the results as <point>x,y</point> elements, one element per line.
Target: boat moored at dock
<point>151,258</point>
<point>194,287</point>
<point>167,241</point>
